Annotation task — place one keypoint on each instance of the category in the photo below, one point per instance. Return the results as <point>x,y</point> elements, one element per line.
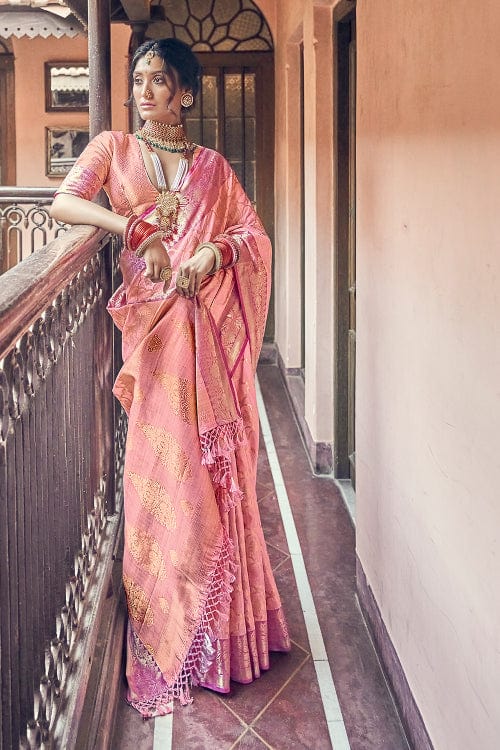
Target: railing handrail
<point>31,285</point>
<point>25,194</point>
<point>61,462</point>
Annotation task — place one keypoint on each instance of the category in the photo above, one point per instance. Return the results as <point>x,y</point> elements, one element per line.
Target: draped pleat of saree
<point>202,601</point>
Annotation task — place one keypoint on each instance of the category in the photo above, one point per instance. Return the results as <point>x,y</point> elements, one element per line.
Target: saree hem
<point>225,664</point>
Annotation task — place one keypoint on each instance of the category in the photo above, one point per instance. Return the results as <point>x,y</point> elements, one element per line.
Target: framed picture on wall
<point>64,146</point>
<point>66,86</point>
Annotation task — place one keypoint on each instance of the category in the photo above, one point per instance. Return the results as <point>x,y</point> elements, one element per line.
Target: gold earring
<point>187,99</point>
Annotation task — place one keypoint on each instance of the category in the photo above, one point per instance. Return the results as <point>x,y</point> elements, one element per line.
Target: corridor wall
<point>428,354</point>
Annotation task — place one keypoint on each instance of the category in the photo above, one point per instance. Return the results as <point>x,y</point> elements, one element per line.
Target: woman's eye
<point>158,79</point>
<point>137,81</point>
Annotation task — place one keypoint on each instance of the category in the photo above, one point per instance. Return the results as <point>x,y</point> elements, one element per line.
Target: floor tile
<point>276,556</point>
<point>205,724</point>
<point>296,718</point>
<point>250,741</point>
<point>287,587</point>
<point>247,701</point>
<point>272,524</point>
<point>327,539</point>
<point>132,732</point>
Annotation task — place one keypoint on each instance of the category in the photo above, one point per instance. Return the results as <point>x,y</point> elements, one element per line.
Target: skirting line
<point>163,725</point>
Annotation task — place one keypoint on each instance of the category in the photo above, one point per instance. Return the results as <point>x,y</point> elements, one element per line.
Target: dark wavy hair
<point>177,58</point>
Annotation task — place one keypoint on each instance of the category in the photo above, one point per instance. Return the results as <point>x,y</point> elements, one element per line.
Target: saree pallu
<point>202,601</point>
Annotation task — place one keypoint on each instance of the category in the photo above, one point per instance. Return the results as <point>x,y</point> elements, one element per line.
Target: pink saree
<point>202,601</point>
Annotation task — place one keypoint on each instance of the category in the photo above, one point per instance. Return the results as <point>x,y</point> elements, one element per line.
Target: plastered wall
<point>428,354</point>
<point>29,106</point>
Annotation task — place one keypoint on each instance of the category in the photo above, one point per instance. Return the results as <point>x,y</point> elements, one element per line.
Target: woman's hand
<point>156,258</point>
<point>194,270</point>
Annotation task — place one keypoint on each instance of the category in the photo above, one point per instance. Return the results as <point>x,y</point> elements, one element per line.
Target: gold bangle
<point>217,253</point>
<point>146,242</point>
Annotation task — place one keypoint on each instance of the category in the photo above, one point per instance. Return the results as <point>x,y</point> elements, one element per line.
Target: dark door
<point>234,114</point>
<point>7,122</point>
<point>345,437</point>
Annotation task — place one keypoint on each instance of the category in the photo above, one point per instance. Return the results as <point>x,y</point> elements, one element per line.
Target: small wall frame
<point>66,86</point>
<point>63,146</point>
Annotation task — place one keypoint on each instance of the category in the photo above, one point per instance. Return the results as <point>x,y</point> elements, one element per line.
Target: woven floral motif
<point>155,498</point>
<point>181,394</point>
<point>138,602</point>
<point>166,447</point>
<point>146,551</point>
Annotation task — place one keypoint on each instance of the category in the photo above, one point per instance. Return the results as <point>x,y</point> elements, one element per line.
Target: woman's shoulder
<point>114,138</point>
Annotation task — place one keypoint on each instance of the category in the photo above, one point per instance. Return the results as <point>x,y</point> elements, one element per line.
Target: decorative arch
<point>216,25</point>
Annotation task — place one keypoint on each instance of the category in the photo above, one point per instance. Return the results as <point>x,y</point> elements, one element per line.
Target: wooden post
<point>137,37</point>
<point>99,66</point>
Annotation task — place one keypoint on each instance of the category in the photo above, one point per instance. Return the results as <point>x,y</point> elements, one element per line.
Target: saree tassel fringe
<point>222,441</point>
<point>202,652</point>
<point>217,448</point>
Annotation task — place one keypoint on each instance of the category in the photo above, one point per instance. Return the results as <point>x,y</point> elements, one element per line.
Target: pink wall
<point>31,117</point>
<point>428,355</point>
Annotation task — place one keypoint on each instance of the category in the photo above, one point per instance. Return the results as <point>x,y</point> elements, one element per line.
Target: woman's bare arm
<point>73,210</point>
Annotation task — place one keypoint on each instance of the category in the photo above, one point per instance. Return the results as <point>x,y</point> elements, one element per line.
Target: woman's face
<point>152,90</point>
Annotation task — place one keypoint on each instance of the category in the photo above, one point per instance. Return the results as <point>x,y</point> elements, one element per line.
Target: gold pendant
<point>167,210</point>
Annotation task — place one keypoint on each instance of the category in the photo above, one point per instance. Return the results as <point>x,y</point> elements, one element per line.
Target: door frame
<point>7,98</point>
<point>345,116</point>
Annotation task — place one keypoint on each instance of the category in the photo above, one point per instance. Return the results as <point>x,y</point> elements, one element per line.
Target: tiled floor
<point>283,709</point>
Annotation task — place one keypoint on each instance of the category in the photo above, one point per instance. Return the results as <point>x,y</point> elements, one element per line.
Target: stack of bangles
<point>137,237</point>
<point>226,251</point>
<point>139,234</point>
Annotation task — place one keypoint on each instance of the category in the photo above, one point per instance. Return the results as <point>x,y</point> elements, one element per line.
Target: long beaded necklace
<point>167,201</point>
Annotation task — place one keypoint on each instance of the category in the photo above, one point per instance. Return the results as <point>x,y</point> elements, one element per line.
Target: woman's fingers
<point>183,281</point>
<point>152,271</point>
<point>192,272</point>
<point>156,259</point>
<point>188,282</point>
<point>197,282</point>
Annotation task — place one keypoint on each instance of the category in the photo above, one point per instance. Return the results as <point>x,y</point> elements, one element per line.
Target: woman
<point>202,601</point>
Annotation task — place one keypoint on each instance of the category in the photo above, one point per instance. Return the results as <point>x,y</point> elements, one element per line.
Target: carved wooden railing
<point>25,224</point>
<point>61,454</point>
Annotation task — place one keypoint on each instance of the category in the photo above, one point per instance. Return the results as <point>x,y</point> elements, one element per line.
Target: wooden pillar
<point>137,37</point>
<point>99,66</point>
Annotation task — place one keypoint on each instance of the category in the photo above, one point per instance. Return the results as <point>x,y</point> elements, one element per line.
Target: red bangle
<point>133,219</point>
<point>138,233</point>
<point>230,250</point>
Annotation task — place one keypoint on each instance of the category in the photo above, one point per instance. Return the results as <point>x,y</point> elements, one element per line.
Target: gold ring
<point>183,282</point>
<point>166,274</point>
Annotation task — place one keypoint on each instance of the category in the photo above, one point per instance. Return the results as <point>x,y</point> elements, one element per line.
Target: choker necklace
<point>165,137</point>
